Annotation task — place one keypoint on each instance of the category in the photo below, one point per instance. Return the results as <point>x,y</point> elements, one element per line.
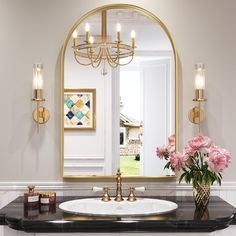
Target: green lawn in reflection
<point>129,166</point>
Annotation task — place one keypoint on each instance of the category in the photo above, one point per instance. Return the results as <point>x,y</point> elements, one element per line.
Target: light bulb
<point>75,35</point>
<point>87,27</point>
<point>132,34</point>
<point>199,78</point>
<point>37,76</point>
<point>91,39</point>
<point>118,27</point>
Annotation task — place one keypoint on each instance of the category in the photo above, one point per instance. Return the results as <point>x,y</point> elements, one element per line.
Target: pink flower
<point>177,160</point>
<point>199,143</point>
<point>217,160</point>
<point>171,140</point>
<point>189,151</point>
<point>161,152</point>
<point>228,156</point>
<point>199,160</point>
<point>171,149</point>
<point>171,144</point>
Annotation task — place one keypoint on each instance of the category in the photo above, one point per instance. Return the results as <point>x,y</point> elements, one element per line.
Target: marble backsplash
<point>10,191</point>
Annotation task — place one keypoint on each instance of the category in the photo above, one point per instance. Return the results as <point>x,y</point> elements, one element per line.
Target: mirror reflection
<point>118,95</point>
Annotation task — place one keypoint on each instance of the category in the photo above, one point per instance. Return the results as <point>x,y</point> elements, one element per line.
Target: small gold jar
<point>47,198</point>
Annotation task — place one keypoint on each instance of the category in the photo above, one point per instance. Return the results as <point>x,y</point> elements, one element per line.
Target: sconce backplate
<point>196,115</point>
<point>41,115</point>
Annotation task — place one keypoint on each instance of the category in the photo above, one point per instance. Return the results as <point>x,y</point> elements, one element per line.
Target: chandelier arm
<point>80,53</point>
<point>122,51</point>
<point>117,58</point>
<point>83,64</point>
<point>96,63</point>
<point>90,53</point>
<point>112,65</point>
<point>124,64</point>
<point>112,62</point>
<point>99,56</point>
<point>120,55</point>
<point>96,59</point>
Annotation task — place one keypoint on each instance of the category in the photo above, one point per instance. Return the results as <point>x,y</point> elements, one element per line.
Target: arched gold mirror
<point>114,116</point>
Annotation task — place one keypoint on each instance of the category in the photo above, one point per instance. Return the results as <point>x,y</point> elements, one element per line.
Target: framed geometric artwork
<point>79,109</point>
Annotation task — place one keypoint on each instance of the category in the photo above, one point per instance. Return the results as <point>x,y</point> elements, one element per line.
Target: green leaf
<point>182,176</point>
<point>167,165</point>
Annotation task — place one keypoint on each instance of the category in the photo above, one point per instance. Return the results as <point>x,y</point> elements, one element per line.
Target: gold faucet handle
<point>131,197</point>
<point>106,196</point>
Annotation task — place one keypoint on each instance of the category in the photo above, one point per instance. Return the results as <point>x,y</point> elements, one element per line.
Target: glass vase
<point>201,195</point>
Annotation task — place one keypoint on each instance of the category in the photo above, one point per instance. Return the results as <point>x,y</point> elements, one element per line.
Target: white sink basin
<point>141,207</point>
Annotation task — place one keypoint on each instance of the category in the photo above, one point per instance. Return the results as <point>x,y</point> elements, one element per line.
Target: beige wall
<point>33,31</point>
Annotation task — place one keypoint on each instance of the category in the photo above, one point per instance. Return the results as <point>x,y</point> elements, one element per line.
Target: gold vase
<point>201,195</point>
<point>201,214</point>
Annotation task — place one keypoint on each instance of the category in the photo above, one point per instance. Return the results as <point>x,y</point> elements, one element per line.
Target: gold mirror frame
<point>152,17</point>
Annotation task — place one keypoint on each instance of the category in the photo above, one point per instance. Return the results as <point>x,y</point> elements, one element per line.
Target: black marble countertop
<point>218,215</point>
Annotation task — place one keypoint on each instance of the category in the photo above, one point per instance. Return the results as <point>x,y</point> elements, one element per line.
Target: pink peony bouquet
<point>201,161</point>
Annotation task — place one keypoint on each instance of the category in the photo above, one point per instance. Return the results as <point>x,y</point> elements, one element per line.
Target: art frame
<point>80,109</point>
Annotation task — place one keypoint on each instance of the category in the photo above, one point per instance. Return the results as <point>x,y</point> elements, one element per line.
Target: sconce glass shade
<point>38,82</point>
<point>199,76</point>
<point>196,115</point>
<point>37,76</point>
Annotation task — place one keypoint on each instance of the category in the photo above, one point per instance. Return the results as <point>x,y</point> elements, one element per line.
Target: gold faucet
<point>118,197</point>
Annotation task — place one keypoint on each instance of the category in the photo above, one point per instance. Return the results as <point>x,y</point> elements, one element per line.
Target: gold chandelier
<point>91,53</point>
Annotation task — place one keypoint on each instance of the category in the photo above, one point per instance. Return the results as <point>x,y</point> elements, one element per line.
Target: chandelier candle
<point>75,38</point>
<point>87,31</point>
<point>118,29</point>
<point>133,38</point>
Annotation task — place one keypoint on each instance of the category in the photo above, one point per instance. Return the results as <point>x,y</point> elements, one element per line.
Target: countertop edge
<point>119,226</point>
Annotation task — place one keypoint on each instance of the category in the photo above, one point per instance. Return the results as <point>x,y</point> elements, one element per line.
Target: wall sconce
<point>196,114</point>
<point>40,114</point>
